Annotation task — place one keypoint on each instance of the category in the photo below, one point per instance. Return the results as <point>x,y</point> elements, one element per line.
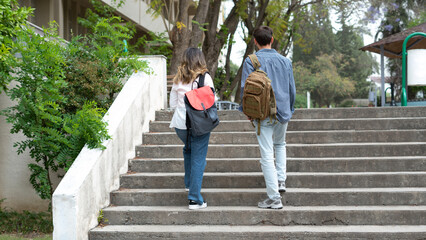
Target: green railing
<point>404,66</point>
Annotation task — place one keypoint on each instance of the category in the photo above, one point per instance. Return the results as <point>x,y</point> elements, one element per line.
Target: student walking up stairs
<point>352,173</point>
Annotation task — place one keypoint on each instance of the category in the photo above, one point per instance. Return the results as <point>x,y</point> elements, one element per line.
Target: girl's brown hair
<point>193,64</point>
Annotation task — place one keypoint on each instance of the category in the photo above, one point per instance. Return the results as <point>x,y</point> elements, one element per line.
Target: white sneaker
<point>269,203</point>
<point>186,189</point>
<point>193,205</point>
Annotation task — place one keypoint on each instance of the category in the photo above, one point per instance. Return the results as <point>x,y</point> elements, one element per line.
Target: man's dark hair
<point>263,35</point>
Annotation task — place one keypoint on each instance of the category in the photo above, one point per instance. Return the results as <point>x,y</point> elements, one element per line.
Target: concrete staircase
<point>355,173</point>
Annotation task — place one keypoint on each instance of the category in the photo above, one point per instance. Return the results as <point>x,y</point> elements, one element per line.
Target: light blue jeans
<point>272,136</point>
<point>194,158</point>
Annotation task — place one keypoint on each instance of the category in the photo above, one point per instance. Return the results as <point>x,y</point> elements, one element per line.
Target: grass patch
<point>24,223</point>
<point>25,237</point>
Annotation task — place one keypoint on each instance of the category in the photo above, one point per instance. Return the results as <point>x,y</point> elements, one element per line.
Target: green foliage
<point>84,127</point>
<point>155,7</point>
<point>5,58</point>
<point>94,72</point>
<point>155,44</point>
<point>201,25</point>
<point>322,79</point>
<point>349,67</point>
<point>419,19</point>
<point>101,218</point>
<point>220,77</point>
<point>314,37</point>
<point>347,103</point>
<point>396,16</point>
<point>39,74</point>
<point>26,236</point>
<point>25,222</point>
<point>12,19</point>
<point>96,62</point>
<point>413,90</point>
<point>357,65</point>
<point>54,138</point>
<point>301,101</point>
<point>63,90</point>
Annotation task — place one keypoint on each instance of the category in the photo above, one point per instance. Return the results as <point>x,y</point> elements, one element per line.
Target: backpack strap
<point>255,61</point>
<point>272,106</point>
<point>200,82</point>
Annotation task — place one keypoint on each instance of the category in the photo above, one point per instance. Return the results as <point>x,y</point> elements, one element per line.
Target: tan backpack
<point>259,98</point>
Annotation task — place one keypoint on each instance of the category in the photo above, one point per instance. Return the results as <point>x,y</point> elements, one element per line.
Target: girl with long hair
<point>193,65</point>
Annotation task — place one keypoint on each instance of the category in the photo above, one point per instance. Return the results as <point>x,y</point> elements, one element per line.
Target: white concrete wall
<point>15,186</point>
<point>136,10</point>
<point>86,187</point>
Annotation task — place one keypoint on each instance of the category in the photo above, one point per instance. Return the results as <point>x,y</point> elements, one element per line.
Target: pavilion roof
<point>393,43</point>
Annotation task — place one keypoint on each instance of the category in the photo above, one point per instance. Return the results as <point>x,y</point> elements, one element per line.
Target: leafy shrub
<point>63,90</point>
<point>97,62</point>
<point>12,19</point>
<point>155,44</point>
<point>347,103</point>
<point>54,137</point>
<point>301,101</point>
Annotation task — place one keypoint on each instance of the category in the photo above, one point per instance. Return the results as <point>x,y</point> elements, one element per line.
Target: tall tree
<point>254,15</point>
<point>205,21</point>
<point>281,15</point>
<point>315,35</point>
<point>322,79</point>
<point>216,38</point>
<point>357,65</point>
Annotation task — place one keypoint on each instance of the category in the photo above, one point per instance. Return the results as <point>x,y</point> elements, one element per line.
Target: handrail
<point>404,66</point>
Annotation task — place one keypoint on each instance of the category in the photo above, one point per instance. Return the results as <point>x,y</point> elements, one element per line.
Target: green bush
<point>347,103</point>
<point>301,101</point>
<point>63,90</point>
<point>97,62</point>
<point>54,137</point>
<point>12,19</point>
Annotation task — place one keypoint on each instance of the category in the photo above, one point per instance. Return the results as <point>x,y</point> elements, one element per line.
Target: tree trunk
<point>227,70</point>
<point>200,18</point>
<point>215,41</point>
<point>237,80</point>
<point>251,12</point>
<point>209,41</point>
<point>180,36</point>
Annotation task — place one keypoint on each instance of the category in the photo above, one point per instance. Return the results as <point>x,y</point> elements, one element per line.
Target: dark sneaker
<point>281,186</point>
<point>194,205</point>
<point>269,203</point>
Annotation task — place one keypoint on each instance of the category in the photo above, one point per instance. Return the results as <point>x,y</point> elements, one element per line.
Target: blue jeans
<point>272,136</point>
<point>194,158</point>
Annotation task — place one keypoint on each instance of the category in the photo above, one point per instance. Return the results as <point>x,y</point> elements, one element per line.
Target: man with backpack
<point>269,116</point>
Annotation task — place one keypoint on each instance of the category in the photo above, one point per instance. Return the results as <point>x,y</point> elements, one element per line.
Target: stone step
<point>294,180</point>
<point>383,112</point>
<point>313,125</point>
<point>261,231</point>
<point>306,137</point>
<point>358,164</point>
<point>241,215</point>
<point>292,197</point>
<point>293,150</point>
